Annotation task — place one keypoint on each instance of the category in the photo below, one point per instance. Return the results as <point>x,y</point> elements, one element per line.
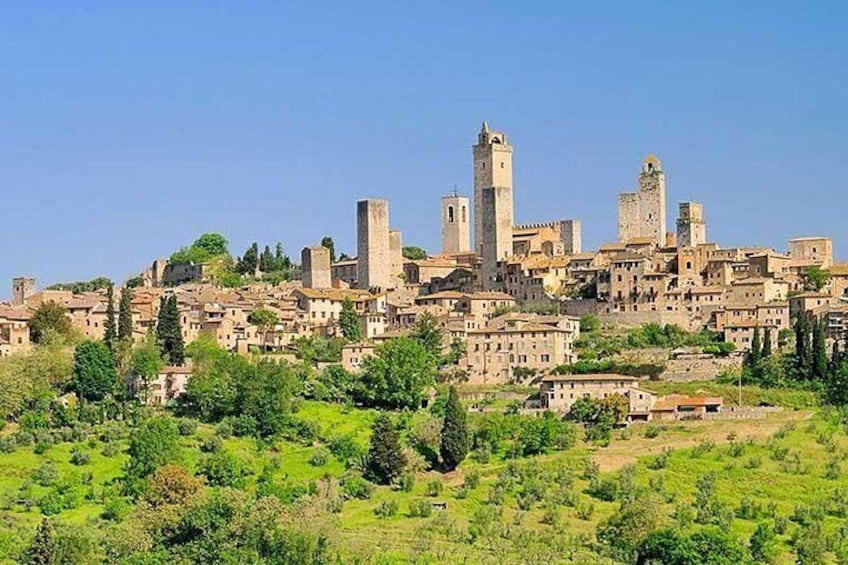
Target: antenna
<point>455,191</point>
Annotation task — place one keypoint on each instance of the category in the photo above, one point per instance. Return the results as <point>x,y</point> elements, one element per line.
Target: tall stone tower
<point>691,226</point>
<point>315,267</point>
<point>571,235</point>
<point>492,168</point>
<point>372,243</point>
<point>497,216</point>
<point>456,228</point>
<point>395,257</point>
<point>643,213</point>
<point>22,289</point>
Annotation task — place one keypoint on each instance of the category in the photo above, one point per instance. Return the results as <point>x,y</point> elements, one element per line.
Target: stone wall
<point>636,319</point>
<point>372,238</point>
<point>699,368</point>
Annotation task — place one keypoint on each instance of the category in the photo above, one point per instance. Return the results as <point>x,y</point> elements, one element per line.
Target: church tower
<point>456,225</point>
<point>492,169</point>
<point>652,205</point>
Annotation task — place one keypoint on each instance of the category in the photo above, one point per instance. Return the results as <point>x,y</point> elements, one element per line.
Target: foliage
<point>327,242</point>
<point>43,549</point>
<point>397,374</point>
<point>414,253</point>
<point>318,349</point>
<point>125,320</point>
<point>349,322</point>
<point>153,444</point>
<point>816,278</point>
<point>110,332</point>
<point>455,440</point>
<point>145,363</point>
<point>610,366</point>
<point>31,379</point>
<point>204,248</point>
<point>95,376</point>
<point>49,318</point>
<point>386,460</point>
<point>427,332</point>
<point>224,469</point>
<point>78,287</point>
<point>169,334</point>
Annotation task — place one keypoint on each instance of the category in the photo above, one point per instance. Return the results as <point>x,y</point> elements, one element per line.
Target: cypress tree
<point>766,344</point>
<point>454,441</point>
<point>756,348</point>
<point>43,549</point>
<point>819,352</point>
<point>386,460</point>
<point>835,357</point>
<point>266,260</point>
<point>802,347</point>
<point>110,334</point>
<point>169,333</point>
<point>125,323</point>
<point>250,261</point>
<point>349,322</point>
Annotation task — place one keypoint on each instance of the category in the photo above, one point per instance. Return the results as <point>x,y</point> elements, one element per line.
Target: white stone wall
<point>456,224</point>
<point>372,237</point>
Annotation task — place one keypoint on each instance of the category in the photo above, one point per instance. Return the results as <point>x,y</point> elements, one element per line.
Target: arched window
<point>450,214</point>
<point>463,215</point>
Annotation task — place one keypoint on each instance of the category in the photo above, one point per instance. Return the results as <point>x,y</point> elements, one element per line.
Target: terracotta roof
<point>443,295</point>
<point>589,377</point>
<point>671,402</point>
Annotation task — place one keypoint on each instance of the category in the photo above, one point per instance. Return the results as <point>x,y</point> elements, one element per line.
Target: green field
<point>765,469</point>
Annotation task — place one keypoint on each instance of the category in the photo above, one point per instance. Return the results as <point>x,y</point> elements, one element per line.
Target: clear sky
<point>128,128</point>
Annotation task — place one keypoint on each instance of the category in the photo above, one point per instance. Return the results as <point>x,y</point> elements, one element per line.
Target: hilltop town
<point>513,298</point>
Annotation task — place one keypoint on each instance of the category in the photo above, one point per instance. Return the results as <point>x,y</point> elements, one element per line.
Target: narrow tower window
<point>463,215</point>
<point>450,214</point>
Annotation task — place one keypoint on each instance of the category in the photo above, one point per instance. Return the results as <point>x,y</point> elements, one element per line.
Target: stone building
<point>558,393</point>
<point>315,267</point>
<point>643,213</point>
<point>497,219</point>
<point>563,237</point>
<point>691,226</point>
<point>22,289</point>
<point>456,225</point>
<point>492,168</point>
<point>816,251</point>
<point>373,247</point>
<point>395,258</point>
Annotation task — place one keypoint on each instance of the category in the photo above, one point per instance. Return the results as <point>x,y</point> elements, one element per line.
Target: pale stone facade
<point>315,267</point>
<point>22,289</point>
<point>373,253</point>
<point>396,258</point>
<point>492,168</point>
<point>643,213</point>
<point>559,392</point>
<point>813,250</point>
<point>691,226</point>
<point>563,237</point>
<point>497,211</point>
<point>456,224</point>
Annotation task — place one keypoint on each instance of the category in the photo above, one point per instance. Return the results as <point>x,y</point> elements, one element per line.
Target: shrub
<point>115,509</point>
<point>224,429</point>
<point>345,449</point>
<point>212,444</point>
<point>319,458</point>
<point>472,479</point>
<point>79,457</point>
<point>386,509</point>
<point>223,469</point>
<point>585,510</point>
<point>419,508</point>
<point>661,460</point>
<point>186,427</point>
<point>434,487</point>
<point>46,475</point>
<point>406,482</point>
<point>652,431</point>
<point>355,486</point>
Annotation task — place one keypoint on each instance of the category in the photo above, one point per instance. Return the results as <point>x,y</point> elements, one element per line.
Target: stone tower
<point>456,228</point>
<point>643,213</point>
<point>315,267</point>
<point>492,168</point>
<point>571,235</point>
<point>372,243</point>
<point>497,216</point>
<point>22,289</point>
<point>395,257</point>
<point>691,226</point>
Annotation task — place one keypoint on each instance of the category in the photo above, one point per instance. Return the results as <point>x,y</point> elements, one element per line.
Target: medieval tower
<point>22,289</point>
<point>456,227</point>
<point>315,267</point>
<point>492,168</point>
<point>497,215</point>
<point>642,214</point>
<point>691,226</point>
<point>372,242</point>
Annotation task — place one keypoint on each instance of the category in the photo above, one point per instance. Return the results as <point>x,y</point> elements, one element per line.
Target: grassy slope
<point>402,537</point>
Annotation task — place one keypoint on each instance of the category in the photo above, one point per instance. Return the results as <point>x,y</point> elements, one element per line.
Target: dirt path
<point>689,434</point>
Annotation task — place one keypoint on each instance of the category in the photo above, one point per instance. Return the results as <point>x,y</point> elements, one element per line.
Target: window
<point>450,214</point>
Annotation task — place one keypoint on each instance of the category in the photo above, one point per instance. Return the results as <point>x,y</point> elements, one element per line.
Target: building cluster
<point>475,289</point>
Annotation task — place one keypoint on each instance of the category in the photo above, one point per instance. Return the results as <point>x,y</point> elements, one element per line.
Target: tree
<point>327,242</point>
<point>766,344</point>
<point>153,444</point>
<point>819,364</point>
<point>803,353</point>
<point>110,334</point>
<point>94,376</point>
<point>625,530</point>
<point>169,334</point>
<point>428,333</point>
<point>763,543</point>
<point>49,319</point>
<point>43,549</point>
<point>264,319</point>
<point>266,261</point>
<point>386,460</point>
<point>223,469</point>
<point>396,375</point>
<point>414,253</point>
<point>125,321</point>
<point>816,278</point>
<point>249,262</point>
<point>145,363</point>
<point>213,244</point>
<point>756,348</point>
<point>349,322</point>
<point>282,261</point>
<point>454,441</point>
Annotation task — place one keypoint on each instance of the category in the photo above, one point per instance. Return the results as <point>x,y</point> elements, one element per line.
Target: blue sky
<point>128,128</point>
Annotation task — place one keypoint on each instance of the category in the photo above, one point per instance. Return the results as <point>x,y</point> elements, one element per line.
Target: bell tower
<point>492,169</point>
<point>456,224</point>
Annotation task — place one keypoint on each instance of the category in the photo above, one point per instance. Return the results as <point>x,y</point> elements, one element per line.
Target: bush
<point>661,460</point>
<point>224,429</point>
<point>472,479</point>
<point>223,469</point>
<point>406,482</point>
<point>345,449</point>
<point>187,427</point>
<point>386,509</point>
<point>46,475</point>
<point>585,510</point>
<point>79,457</point>
<point>434,487</point>
<point>115,509</point>
<point>652,431</point>
<point>355,486</point>
<point>212,444</point>
<point>319,458</point>
<point>420,508</point>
